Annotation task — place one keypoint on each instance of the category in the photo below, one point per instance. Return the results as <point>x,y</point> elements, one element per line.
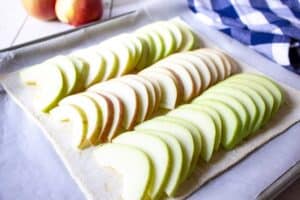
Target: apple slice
<point>169,83</point>
<point>92,112</point>
<point>128,97</point>
<point>182,134</point>
<point>96,64</point>
<point>158,46</point>
<point>185,78</point>
<point>133,164</point>
<point>177,35</point>
<point>167,36</point>
<point>189,38</point>
<point>244,98</point>
<point>262,91</point>
<point>204,123</point>
<point>82,68</point>
<point>111,62</point>
<point>78,120</point>
<point>142,95</point>
<point>201,66</point>
<point>149,42</point>
<point>216,118</point>
<point>68,70</point>
<point>196,75</point>
<point>107,114</point>
<point>176,154</point>
<point>257,99</point>
<point>118,115</point>
<point>123,53</point>
<point>236,105</point>
<point>159,154</point>
<point>215,62</point>
<point>49,82</point>
<point>145,58</point>
<point>269,84</point>
<point>153,96</point>
<point>231,121</point>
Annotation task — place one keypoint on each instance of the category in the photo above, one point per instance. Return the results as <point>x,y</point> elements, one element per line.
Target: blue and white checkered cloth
<point>271,27</point>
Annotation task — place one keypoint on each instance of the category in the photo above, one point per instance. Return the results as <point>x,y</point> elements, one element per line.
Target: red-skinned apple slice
<point>142,94</point>
<point>169,84</point>
<point>185,78</point>
<point>107,111</point>
<point>118,115</point>
<point>126,94</point>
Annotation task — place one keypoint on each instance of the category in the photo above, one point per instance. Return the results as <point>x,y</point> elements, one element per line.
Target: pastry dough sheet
<point>100,183</point>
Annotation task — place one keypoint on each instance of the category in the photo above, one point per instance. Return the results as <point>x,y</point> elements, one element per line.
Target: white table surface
<point>17,27</point>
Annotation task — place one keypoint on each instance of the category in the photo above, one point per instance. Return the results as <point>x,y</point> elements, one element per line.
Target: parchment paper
<point>24,151</point>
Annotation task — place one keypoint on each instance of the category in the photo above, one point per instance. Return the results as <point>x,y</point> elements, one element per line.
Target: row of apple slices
<point>113,57</point>
<point>162,152</point>
<point>119,104</point>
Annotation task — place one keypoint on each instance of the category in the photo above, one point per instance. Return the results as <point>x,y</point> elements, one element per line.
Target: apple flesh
<point>78,12</point>
<point>41,9</point>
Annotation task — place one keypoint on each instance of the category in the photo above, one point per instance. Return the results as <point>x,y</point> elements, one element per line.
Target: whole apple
<point>78,12</point>
<point>41,9</point>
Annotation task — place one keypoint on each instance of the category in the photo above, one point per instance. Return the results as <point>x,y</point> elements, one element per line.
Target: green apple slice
<point>76,116</point>
<point>185,78</point>
<point>244,98</point>
<point>107,113</point>
<point>82,69</point>
<point>231,121</point>
<point>133,164</point>
<point>176,33</point>
<point>216,118</point>
<point>111,62</point>
<point>265,94</point>
<point>49,82</point>
<point>148,41</point>
<point>189,40</point>
<point>158,45</point>
<point>142,95</point>
<point>204,123</point>
<point>269,84</point>
<point>167,36</point>
<point>182,134</point>
<point>123,53</point>
<point>176,154</point>
<point>92,112</point>
<point>145,58</point>
<point>95,63</point>
<point>257,99</point>
<point>236,105</point>
<point>168,84</point>
<point>68,70</point>
<point>159,154</point>
<point>127,95</point>
<point>118,115</point>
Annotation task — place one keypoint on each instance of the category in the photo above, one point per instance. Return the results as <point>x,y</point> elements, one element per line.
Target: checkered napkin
<point>271,27</point>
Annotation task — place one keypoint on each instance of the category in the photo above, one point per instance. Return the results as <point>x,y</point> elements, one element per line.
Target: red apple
<point>41,9</point>
<point>78,12</point>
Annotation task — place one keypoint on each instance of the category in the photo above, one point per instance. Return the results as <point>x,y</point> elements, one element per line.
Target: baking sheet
<point>11,112</point>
